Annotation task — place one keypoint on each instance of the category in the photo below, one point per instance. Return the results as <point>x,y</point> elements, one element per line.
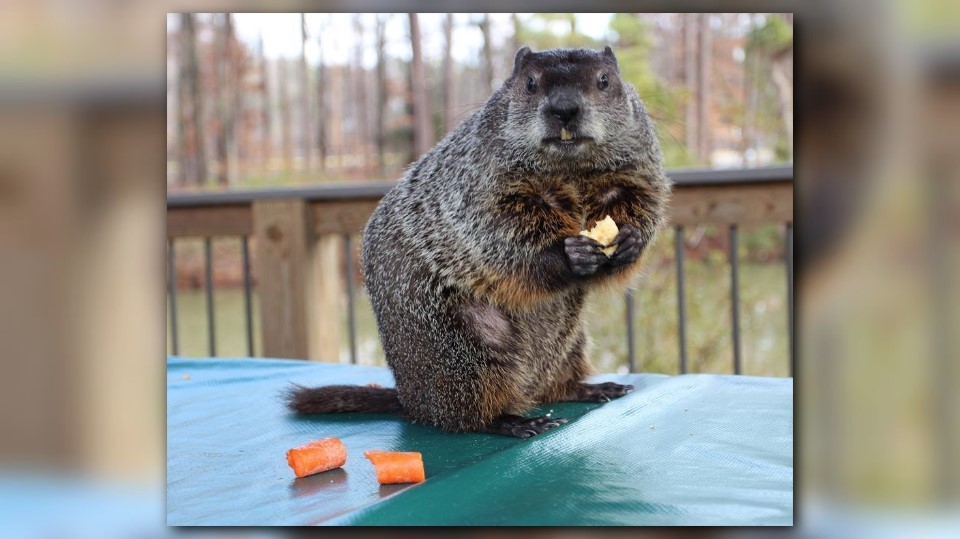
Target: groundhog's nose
<point>565,110</point>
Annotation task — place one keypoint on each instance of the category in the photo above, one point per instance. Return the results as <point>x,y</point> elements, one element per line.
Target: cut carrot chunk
<point>317,456</point>
<point>395,467</point>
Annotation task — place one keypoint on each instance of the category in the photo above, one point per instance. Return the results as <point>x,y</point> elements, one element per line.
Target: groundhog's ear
<point>518,61</point>
<point>608,54</point>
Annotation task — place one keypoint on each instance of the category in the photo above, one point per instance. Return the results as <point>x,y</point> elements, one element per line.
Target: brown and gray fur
<point>473,262</point>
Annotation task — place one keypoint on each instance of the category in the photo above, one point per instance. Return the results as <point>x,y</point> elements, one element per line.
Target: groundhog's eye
<point>531,85</point>
<point>603,81</point>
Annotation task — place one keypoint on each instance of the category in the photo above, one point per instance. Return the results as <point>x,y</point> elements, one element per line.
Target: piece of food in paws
<point>397,467</point>
<point>317,456</point>
<point>604,232</point>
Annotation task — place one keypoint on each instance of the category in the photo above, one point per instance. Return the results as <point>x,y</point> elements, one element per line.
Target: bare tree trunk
<point>487,63</point>
<point>674,37</point>
<point>220,84</point>
<point>782,73</point>
<point>782,69</point>
<point>348,104</point>
<point>381,94</point>
<point>265,131</point>
<point>285,137</point>
<point>193,164</point>
<point>231,98</point>
<point>238,65</point>
<point>448,91</point>
<point>690,79</point>
<point>515,39</point>
<point>321,105</point>
<point>703,90</point>
<point>307,143</point>
<point>408,69</point>
<point>336,144</point>
<point>749,106</point>
<point>360,97</point>
<point>423,134</point>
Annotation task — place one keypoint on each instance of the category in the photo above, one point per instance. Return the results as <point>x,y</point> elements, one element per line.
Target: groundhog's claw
<point>522,427</point>
<point>604,392</point>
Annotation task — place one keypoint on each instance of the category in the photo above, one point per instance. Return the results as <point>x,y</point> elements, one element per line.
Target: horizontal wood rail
<point>747,196</point>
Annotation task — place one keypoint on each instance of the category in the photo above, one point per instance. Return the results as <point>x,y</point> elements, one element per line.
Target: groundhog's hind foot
<point>522,427</point>
<point>604,392</point>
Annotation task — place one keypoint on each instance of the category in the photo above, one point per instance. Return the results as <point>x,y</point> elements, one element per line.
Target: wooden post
<point>298,282</point>
<point>324,293</point>
<point>282,232</point>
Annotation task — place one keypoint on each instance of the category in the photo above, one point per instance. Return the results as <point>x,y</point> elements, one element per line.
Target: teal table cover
<point>680,450</point>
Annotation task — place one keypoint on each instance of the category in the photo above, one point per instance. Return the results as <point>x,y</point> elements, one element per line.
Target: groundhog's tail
<point>328,399</point>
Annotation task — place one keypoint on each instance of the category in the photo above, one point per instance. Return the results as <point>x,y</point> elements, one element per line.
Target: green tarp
<point>680,450</point>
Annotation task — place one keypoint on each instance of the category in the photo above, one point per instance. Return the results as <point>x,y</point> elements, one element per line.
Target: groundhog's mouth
<point>567,138</point>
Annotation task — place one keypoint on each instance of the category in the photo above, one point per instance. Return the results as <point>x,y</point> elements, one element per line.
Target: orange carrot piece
<point>317,456</point>
<point>396,467</point>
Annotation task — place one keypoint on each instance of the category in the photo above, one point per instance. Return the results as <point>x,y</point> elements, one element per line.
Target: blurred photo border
<point>82,240</point>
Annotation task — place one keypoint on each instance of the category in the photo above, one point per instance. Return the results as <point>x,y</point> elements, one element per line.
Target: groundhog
<point>474,263</point>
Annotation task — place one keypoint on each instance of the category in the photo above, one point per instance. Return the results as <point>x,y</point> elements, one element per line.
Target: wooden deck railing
<point>301,235</point>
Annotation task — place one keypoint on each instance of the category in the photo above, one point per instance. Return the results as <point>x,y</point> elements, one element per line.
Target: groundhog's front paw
<point>584,255</point>
<point>630,245</point>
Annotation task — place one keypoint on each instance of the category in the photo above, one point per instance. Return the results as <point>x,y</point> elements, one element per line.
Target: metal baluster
<point>735,297</point>
<point>172,286</point>
<point>247,300</point>
<point>681,308</point>
<point>351,315</point>
<point>211,329</point>
<point>631,360</point>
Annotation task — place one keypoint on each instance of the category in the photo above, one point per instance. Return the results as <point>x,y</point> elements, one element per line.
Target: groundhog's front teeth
<point>564,134</point>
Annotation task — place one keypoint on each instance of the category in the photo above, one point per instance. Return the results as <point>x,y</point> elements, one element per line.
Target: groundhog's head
<point>570,106</point>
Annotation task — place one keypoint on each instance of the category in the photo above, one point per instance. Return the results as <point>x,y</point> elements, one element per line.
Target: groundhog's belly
<point>546,338</point>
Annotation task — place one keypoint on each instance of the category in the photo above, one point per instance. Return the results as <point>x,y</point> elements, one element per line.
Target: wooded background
<point>360,96</point>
